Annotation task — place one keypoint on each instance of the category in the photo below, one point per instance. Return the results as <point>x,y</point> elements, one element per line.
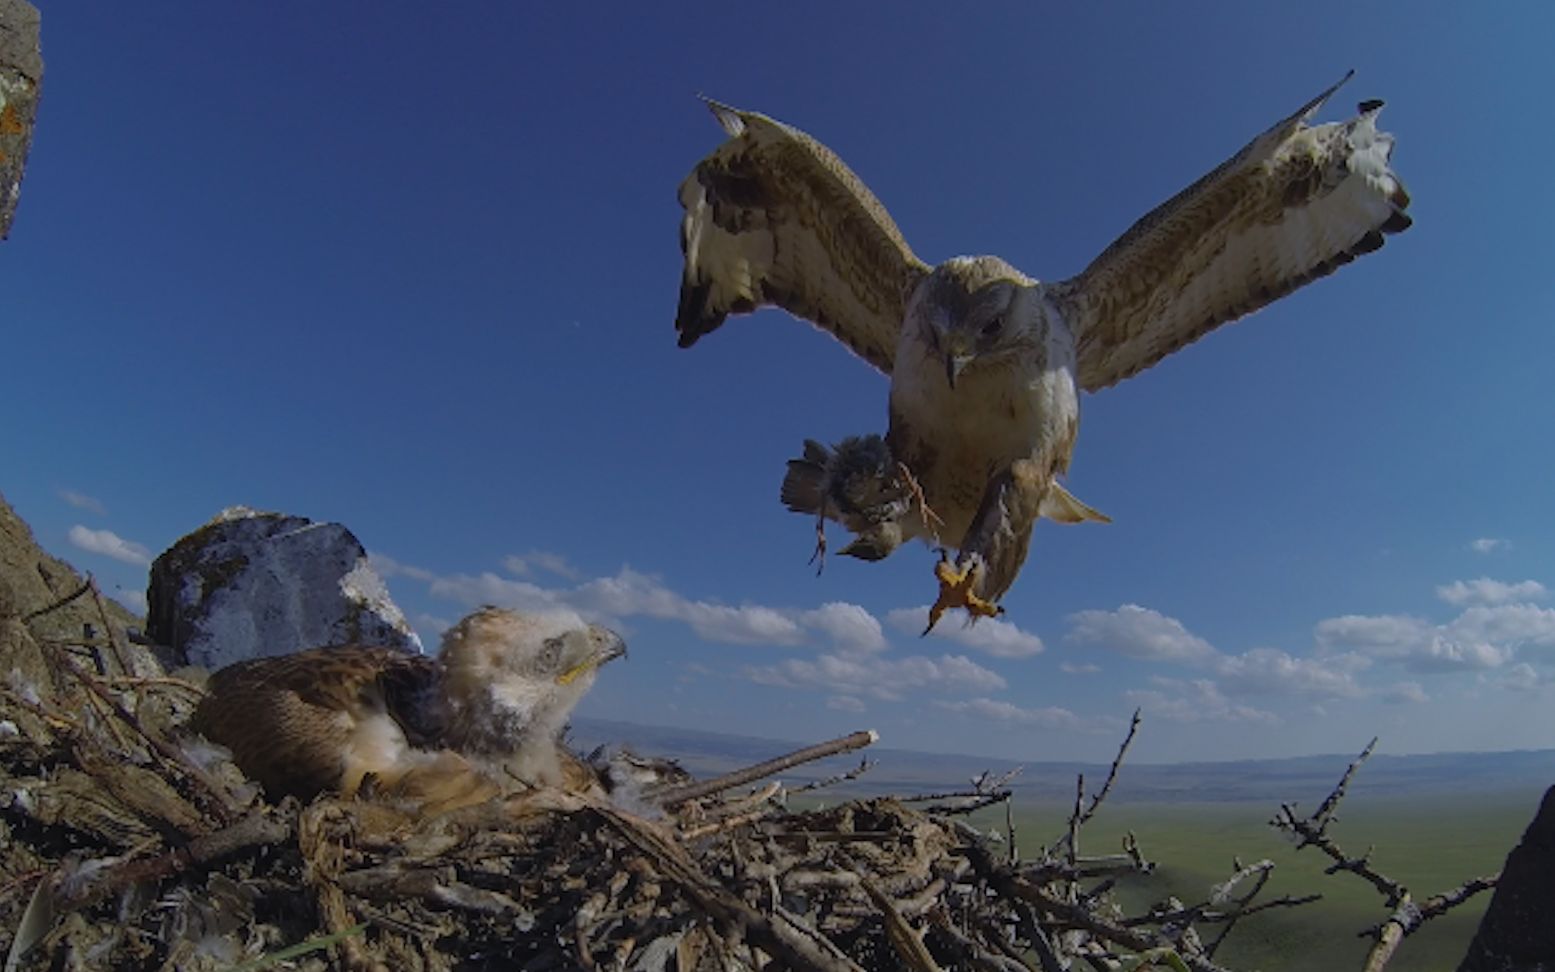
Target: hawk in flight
<point>986,364</point>
<point>440,732</point>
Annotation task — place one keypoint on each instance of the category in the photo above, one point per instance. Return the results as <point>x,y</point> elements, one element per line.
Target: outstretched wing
<point>1294,205</point>
<point>773,217</point>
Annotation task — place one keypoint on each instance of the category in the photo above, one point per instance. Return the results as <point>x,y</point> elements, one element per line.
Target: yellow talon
<point>955,590</point>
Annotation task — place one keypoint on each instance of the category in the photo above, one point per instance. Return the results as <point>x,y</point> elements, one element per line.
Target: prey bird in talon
<point>986,364</point>
<point>859,485</point>
<point>484,715</point>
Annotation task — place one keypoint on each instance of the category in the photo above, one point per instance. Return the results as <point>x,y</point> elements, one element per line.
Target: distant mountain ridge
<point>1307,779</point>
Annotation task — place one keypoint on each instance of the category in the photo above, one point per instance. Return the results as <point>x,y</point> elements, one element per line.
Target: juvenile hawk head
<point>517,676</point>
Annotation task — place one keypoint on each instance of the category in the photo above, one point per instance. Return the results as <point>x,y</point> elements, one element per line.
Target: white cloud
<point>387,567</point>
<point>1383,635</point>
<point>1487,545</point>
<point>850,627</point>
<point>1523,677</point>
<point>626,594</point>
<point>525,565</point>
<point>132,599</point>
<point>1444,655</point>
<point>1405,692</point>
<point>81,501</point>
<point>871,676</point>
<point>1199,700</point>
<point>1139,632</point>
<point>846,703</point>
<point>991,636</point>
<point>1514,623</point>
<point>1073,668</point>
<point>1482,637</point>
<point>631,593</point>
<point>750,624</point>
<point>1486,591</point>
<point>473,590</point>
<point>109,544</point>
<point>1269,671</point>
<point>995,710</point>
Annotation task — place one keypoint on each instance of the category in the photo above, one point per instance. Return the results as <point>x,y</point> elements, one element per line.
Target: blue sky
<point>417,273</point>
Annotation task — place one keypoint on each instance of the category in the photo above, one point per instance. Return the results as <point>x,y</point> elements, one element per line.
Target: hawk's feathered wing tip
<point>1290,123</point>
<point>1312,107</point>
<point>1295,204</point>
<point>1371,152</point>
<point>729,117</point>
<point>1398,195</point>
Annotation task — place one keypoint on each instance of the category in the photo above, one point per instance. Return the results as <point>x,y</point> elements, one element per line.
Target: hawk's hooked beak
<point>957,357</point>
<point>607,646</point>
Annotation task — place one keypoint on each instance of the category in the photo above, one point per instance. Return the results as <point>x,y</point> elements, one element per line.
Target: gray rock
<point>250,584</point>
<point>21,76</point>
<point>1516,934</point>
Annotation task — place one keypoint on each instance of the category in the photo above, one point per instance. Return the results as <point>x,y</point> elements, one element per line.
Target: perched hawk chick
<point>446,731</point>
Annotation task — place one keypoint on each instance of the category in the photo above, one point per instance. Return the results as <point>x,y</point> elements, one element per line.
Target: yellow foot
<point>955,590</point>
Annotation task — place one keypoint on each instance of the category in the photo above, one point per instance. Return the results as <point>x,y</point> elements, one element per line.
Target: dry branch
<point>1406,916</point>
<point>675,795</point>
<point>55,605</point>
<point>864,766</point>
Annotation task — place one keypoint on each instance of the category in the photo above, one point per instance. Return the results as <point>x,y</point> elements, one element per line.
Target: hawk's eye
<point>993,327</point>
<point>551,654</point>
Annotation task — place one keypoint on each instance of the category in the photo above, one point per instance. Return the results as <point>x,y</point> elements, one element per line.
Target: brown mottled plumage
<point>773,217</point>
<point>447,731</point>
<point>985,362</point>
<point>288,718</point>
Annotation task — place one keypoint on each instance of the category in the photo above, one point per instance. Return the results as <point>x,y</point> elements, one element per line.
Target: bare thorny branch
<point>1407,916</point>
<point>1082,814</point>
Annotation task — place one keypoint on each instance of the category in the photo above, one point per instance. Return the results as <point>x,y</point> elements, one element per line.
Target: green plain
<point>1430,844</point>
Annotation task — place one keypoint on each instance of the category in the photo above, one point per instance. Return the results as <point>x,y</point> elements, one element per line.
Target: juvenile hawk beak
<point>607,647</point>
<point>608,644</point>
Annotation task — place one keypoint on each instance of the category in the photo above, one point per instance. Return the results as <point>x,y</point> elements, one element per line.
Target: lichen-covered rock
<point>250,584</point>
<point>21,74</point>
